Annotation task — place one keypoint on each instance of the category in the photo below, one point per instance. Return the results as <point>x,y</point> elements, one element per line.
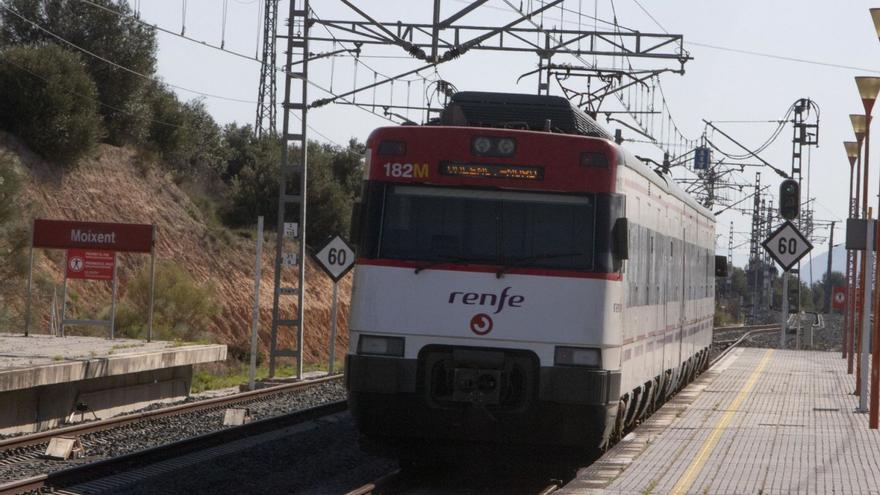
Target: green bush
<point>119,38</point>
<point>183,308</point>
<point>49,101</point>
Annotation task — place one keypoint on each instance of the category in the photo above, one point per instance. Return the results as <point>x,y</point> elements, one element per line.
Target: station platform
<point>760,421</point>
<point>43,379</point>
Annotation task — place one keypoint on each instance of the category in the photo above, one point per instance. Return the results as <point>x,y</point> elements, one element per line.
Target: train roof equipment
<point>519,111</point>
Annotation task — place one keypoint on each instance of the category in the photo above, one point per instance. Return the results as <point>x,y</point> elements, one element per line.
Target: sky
<point>718,85</point>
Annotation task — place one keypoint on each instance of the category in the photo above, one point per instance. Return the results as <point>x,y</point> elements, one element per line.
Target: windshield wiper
<point>531,260</point>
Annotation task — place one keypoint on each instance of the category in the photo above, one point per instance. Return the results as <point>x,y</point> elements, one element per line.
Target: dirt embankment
<point>111,186</point>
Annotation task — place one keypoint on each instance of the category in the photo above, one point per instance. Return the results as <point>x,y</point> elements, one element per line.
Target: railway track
<point>118,472</point>
<point>745,332</point>
<point>26,448</point>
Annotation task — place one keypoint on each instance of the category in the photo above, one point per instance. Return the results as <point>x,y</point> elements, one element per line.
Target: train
<point>522,281</point>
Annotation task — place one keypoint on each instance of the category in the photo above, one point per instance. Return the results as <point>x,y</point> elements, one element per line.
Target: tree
<point>334,181</point>
<point>49,101</point>
<point>112,33</point>
<point>252,172</point>
<point>185,135</point>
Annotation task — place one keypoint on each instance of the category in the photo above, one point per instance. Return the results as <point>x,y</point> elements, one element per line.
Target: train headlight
<point>380,346</point>
<point>506,146</point>
<point>578,356</point>
<point>482,145</point>
<point>493,146</point>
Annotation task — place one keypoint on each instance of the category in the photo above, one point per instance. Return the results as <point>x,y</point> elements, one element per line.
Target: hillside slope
<point>112,187</point>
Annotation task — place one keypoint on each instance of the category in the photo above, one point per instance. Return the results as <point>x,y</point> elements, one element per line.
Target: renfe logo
<point>481,324</point>
<point>487,299</point>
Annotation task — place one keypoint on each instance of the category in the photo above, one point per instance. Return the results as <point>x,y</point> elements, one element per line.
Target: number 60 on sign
<point>787,245</point>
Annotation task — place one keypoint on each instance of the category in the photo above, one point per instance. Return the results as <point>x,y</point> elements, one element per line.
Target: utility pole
<point>767,262</point>
<point>755,246</point>
<point>805,134</point>
<point>266,96</point>
<point>827,308</point>
<point>292,186</point>
<point>730,260</point>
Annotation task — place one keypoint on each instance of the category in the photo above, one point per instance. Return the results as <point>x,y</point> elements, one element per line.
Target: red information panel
<point>838,298</point>
<point>90,265</point>
<point>65,234</point>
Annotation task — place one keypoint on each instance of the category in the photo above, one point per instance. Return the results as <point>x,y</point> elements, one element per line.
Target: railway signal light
<point>789,199</point>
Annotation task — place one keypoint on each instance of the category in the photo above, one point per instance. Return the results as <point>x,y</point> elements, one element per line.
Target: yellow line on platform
<point>685,482</point>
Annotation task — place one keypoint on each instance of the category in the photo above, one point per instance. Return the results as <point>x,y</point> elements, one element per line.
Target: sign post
<point>337,259</point>
<point>152,286</point>
<point>27,311</point>
<point>256,323</point>
<point>786,246</point>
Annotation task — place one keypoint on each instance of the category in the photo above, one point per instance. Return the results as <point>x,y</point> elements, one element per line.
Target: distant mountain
<point>820,264</point>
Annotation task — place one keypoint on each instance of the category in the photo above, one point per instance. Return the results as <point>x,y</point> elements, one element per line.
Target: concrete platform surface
<point>760,422</point>
<point>44,360</point>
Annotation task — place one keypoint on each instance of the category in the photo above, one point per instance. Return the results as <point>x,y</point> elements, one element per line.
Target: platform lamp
<point>871,86</point>
<point>858,125</point>
<point>868,87</point>
<point>852,154</point>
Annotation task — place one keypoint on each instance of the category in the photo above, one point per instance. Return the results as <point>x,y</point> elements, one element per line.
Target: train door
<point>682,312</point>
<point>667,267</point>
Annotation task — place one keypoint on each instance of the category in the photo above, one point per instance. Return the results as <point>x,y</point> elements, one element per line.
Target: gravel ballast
<point>141,435</point>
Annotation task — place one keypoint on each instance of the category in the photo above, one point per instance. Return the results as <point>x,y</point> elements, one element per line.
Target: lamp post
<point>852,153</point>
<point>874,417</point>
<point>858,125</point>
<point>868,88</point>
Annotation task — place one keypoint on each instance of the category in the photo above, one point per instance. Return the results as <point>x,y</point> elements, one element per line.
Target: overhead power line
<point>139,74</point>
<point>230,52</point>
<point>80,95</point>
<point>781,57</point>
<point>118,66</point>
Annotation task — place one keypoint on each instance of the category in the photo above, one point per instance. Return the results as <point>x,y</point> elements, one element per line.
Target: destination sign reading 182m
<point>492,171</point>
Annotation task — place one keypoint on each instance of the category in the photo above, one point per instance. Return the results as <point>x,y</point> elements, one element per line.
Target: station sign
<point>336,258</point>
<point>90,265</point>
<point>838,298</point>
<point>787,245</point>
<point>66,234</point>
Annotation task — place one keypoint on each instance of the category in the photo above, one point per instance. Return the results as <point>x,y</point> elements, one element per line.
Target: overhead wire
<point>6,60</point>
<point>118,66</point>
<point>230,52</point>
<point>139,74</point>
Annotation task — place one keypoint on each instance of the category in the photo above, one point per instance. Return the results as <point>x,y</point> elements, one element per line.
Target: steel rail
<point>378,484</point>
<point>755,330</point>
<point>107,467</point>
<point>105,424</point>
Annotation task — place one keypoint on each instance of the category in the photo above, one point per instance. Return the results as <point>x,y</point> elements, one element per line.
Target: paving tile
<point>795,431</point>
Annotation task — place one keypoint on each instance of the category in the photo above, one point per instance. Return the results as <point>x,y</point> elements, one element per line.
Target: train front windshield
<point>488,227</point>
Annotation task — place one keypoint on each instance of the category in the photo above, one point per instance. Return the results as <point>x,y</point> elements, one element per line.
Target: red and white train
<point>521,280</point>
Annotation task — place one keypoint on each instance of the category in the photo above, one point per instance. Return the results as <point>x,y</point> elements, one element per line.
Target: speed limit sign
<point>787,245</point>
<point>336,258</point>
